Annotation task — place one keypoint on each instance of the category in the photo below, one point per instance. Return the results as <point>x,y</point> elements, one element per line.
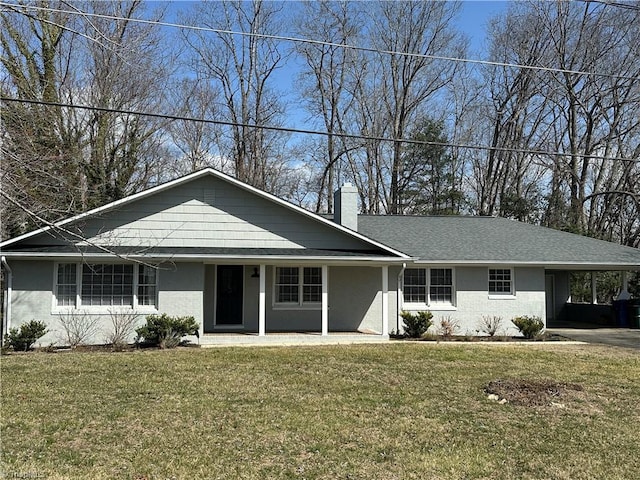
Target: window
<point>110,285</point>
<point>146,285</point>
<point>438,290</point>
<point>441,286</point>
<point>500,281</point>
<point>312,285</point>
<point>415,285</point>
<point>66,285</point>
<point>105,285</point>
<point>298,285</point>
<point>287,285</point>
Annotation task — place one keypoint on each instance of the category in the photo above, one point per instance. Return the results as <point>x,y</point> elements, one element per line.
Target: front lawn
<point>400,411</point>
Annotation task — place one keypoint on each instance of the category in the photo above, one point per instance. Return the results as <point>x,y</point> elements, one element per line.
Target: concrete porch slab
<point>288,339</point>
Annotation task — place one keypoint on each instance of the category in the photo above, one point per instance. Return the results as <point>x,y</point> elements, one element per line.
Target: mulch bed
<point>532,392</point>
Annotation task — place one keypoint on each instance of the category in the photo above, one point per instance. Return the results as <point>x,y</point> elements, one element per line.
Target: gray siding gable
<point>206,212</point>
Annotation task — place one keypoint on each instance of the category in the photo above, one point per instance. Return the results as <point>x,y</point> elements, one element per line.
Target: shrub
<point>530,327</point>
<point>490,324</point>
<point>416,324</point>
<point>22,339</point>
<point>78,327</point>
<point>122,327</point>
<point>165,331</point>
<point>447,327</point>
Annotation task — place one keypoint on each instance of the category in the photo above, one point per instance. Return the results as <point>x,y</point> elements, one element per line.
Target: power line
<point>316,132</point>
<point>320,42</point>
<point>627,6</point>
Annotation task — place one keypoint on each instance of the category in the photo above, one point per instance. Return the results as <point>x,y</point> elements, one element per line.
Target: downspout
<point>7,297</point>
<point>400,297</point>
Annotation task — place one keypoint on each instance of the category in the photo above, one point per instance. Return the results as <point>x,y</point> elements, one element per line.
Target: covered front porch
<point>269,302</point>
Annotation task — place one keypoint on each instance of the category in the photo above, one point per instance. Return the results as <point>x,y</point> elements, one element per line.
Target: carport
<point>563,311</point>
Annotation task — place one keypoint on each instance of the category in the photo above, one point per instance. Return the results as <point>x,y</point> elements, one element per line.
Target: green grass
<point>396,411</point>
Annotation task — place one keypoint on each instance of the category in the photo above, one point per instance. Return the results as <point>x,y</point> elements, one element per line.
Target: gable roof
<point>493,240</point>
<point>371,244</point>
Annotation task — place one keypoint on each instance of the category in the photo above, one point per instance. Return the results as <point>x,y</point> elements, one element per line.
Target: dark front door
<point>229,295</point>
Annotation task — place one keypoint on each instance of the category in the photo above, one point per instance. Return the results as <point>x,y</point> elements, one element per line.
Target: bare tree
<point>507,182</point>
<point>595,115</point>
<point>242,68</point>
<point>585,111</point>
<point>196,142</point>
<point>409,82</point>
<point>60,160</point>
<point>39,153</point>
<point>325,78</point>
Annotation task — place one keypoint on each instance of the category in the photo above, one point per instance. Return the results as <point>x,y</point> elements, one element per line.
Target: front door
<point>229,294</point>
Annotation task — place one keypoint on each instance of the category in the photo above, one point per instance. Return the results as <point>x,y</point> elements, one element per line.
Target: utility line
<point>316,132</point>
<point>320,42</point>
<point>628,6</point>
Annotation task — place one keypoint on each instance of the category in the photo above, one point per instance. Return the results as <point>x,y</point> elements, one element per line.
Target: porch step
<point>286,339</point>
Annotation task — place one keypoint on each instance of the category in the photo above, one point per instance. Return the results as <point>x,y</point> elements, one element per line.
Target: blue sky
<point>474,18</point>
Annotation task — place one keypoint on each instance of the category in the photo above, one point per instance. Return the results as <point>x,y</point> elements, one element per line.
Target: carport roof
<point>493,240</point>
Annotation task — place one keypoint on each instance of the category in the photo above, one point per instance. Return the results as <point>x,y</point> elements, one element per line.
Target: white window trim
<point>300,305</point>
<point>100,309</point>
<point>434,306</point>
<point>502,296</point>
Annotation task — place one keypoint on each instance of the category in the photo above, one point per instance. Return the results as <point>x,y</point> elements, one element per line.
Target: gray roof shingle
<point>465,239</point>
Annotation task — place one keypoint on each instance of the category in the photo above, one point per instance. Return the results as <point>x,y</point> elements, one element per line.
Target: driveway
<point>620,337</point>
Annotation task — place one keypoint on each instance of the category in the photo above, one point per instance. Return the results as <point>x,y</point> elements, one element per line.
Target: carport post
<point>624,290</point>
<point>594,290</point>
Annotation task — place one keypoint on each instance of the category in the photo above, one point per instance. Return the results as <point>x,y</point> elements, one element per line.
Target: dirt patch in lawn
<point>533,393</point>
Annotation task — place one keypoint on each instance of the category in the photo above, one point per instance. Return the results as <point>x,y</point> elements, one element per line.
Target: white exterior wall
<point>473,300</point>
<point>180,294</point>
<point>32,295</point>
<point>355,298</point>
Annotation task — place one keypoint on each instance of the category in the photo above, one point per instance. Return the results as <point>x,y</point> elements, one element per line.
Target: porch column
<point>385,300</point>
<point>594,290</point>
<point>325,300</point>
<point>262,297</point>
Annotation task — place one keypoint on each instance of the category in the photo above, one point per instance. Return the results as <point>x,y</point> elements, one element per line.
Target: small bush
<point>490,324</point>
<point>23,339</point>
<point>78,327</point>
<point>165,331</point>
<point>122,327</point>
<point>530,327</point>
<point>416,324</point>
<point>447,327</point>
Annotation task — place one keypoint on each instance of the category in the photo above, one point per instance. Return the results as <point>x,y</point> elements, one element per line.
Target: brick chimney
<point>345,206</point>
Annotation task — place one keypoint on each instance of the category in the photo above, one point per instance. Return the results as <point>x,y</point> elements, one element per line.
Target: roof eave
<point>551,265</point>
<point>201,257</point>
